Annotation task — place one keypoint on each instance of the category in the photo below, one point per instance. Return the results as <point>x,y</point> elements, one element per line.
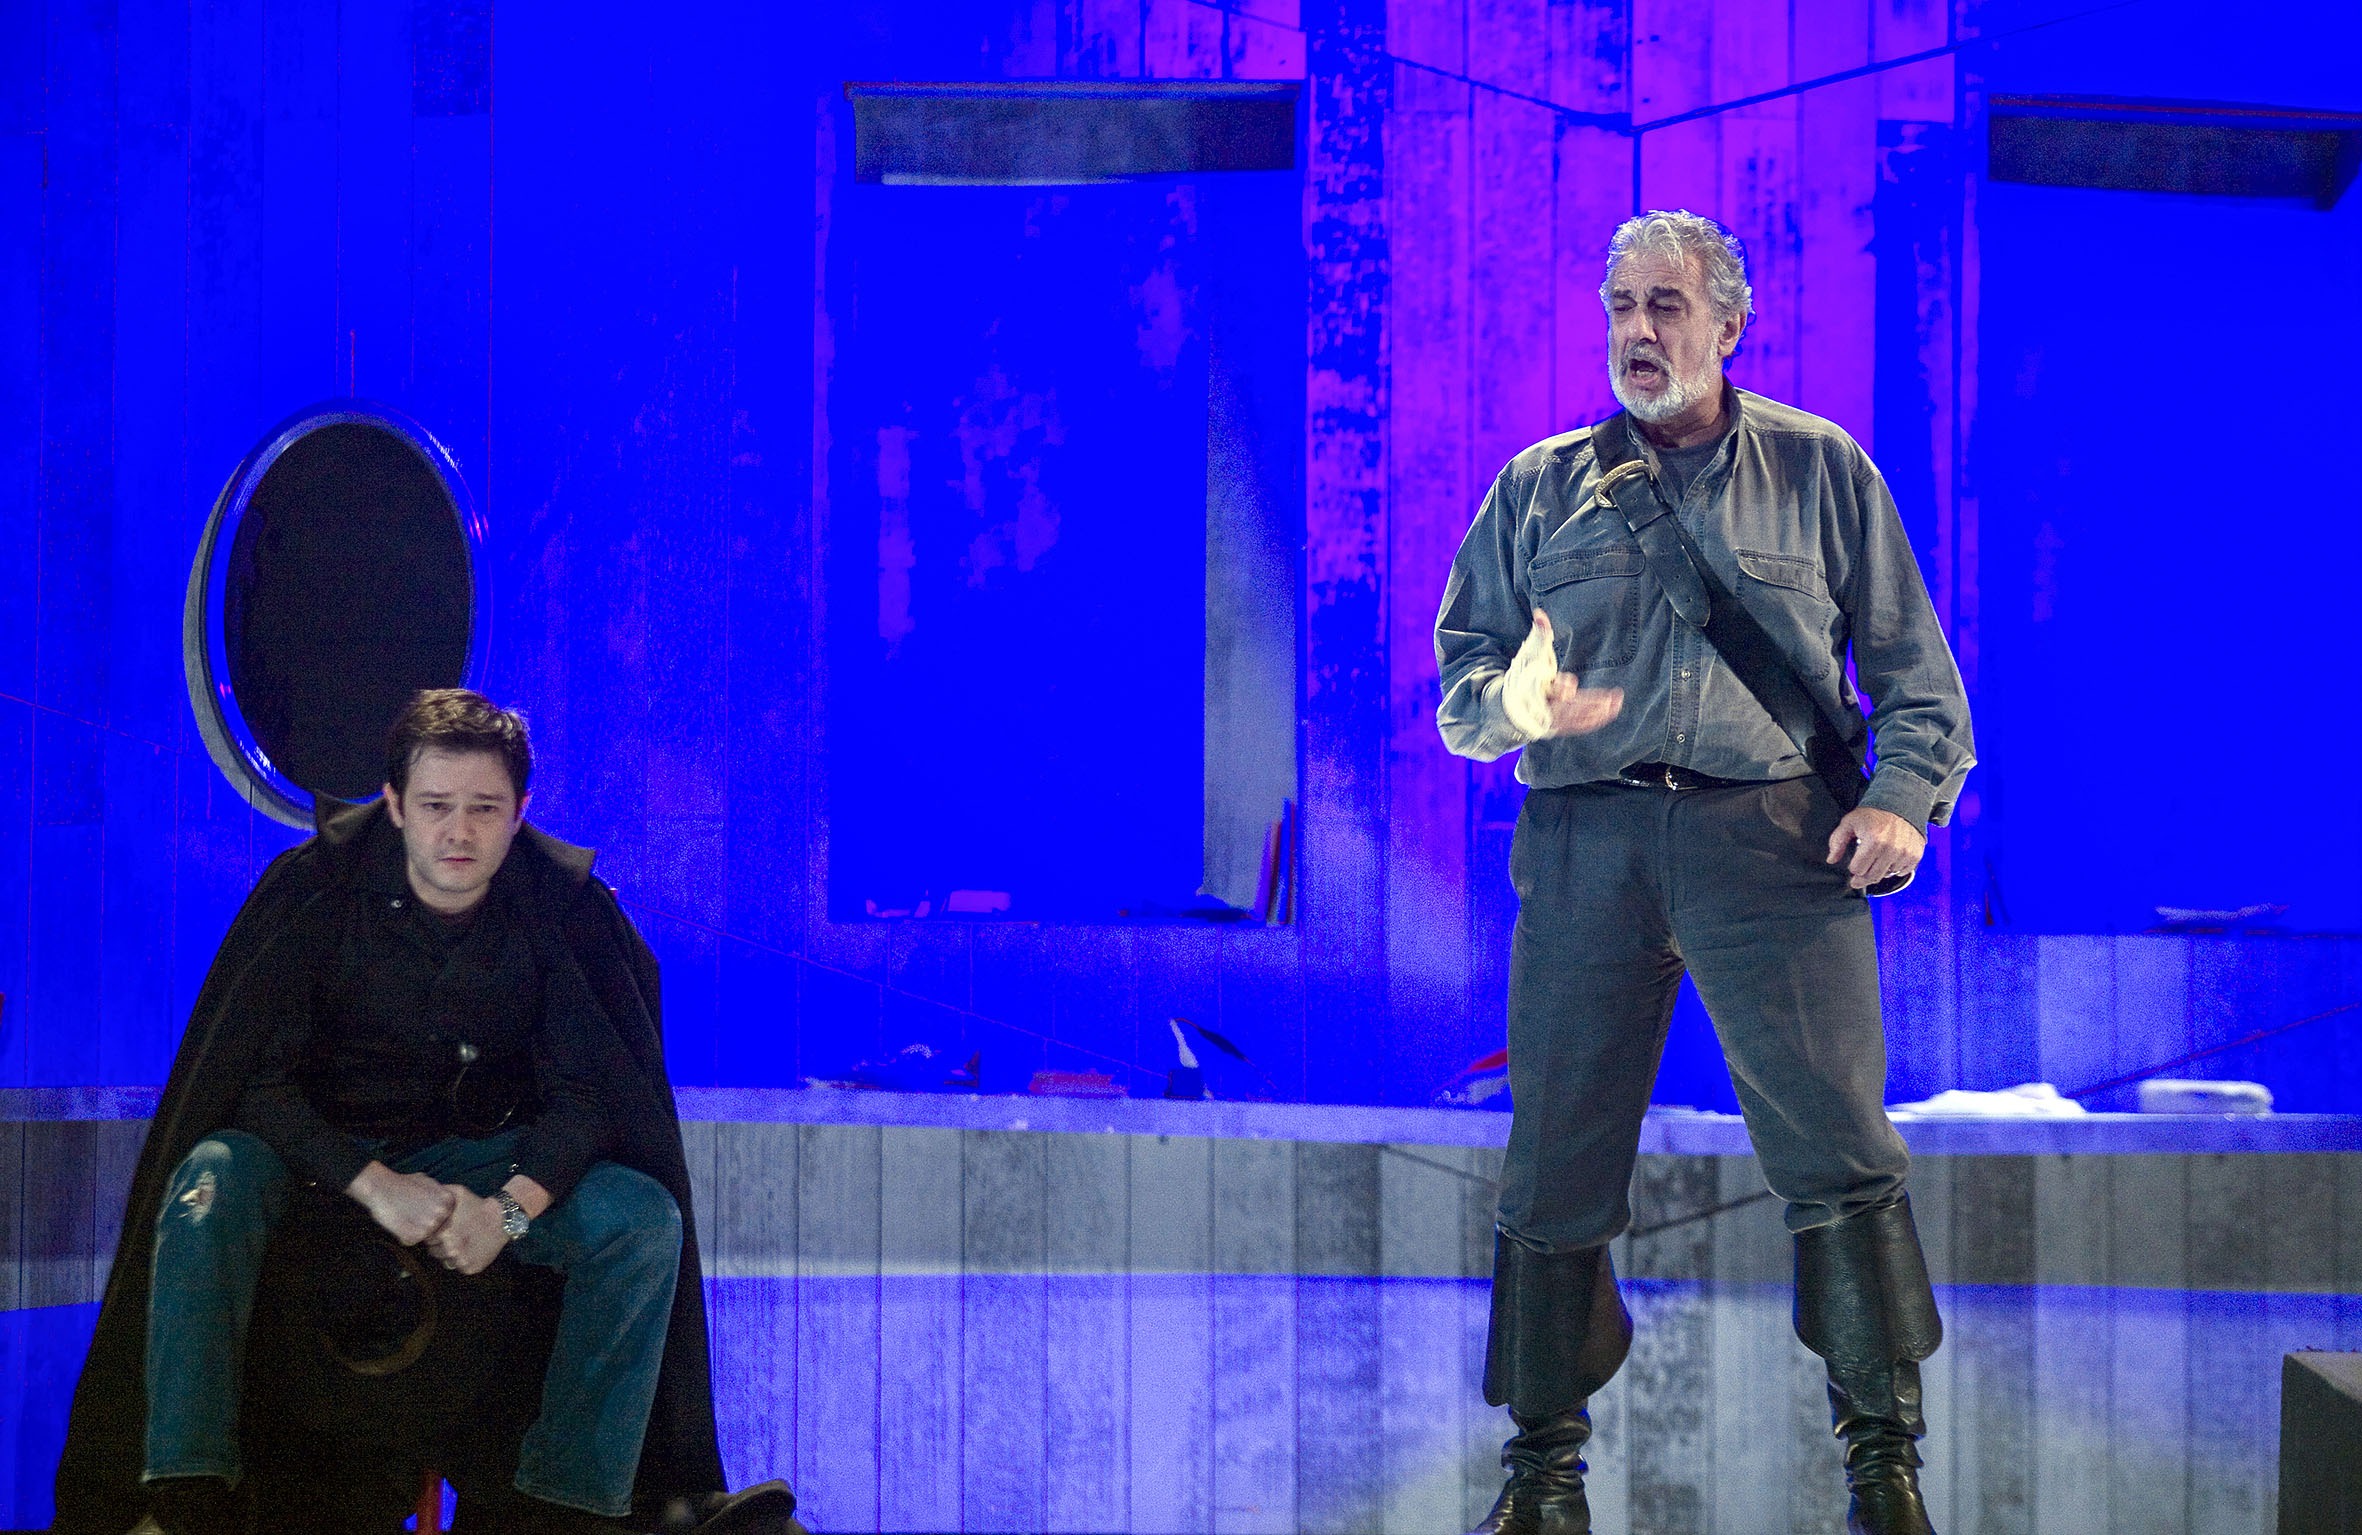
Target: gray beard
<point>1680,393</point>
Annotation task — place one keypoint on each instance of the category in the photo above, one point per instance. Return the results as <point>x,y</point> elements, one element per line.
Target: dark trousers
<point>616,1238</point>
<point>1620,891</point>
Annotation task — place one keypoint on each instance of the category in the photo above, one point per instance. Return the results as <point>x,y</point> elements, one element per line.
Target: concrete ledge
<point>1668,1132</point>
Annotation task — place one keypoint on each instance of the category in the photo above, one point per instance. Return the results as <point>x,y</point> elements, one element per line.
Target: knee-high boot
<point>1559,1332</point>
<point>1863,1303</point>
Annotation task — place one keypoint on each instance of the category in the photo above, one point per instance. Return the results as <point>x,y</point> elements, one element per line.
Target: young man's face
<point>458,817</point>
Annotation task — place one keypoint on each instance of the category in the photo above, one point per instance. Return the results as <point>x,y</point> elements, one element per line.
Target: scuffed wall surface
<point>592,251</point>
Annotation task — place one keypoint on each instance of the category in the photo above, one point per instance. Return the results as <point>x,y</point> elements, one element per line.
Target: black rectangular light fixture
<point>1053,132</point>
<point>2209,148</point>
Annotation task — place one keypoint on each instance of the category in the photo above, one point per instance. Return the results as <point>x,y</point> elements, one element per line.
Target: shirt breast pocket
<point>1593,599</point>
<point>1789,591</point>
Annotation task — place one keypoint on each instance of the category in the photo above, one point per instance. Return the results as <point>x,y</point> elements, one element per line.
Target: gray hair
<point>1682,234</point>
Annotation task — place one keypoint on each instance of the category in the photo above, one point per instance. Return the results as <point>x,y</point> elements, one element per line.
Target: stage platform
<point>938,1313</point>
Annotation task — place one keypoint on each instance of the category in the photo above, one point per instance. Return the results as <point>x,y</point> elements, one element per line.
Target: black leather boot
<point>1544,1495</point>
<point>193,1505</point>
<point>1559,1332</point>
<point>1876,1413</point>
<point>1864,1305</point>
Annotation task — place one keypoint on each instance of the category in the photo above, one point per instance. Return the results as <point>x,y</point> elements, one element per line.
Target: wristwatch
<point>514,1222</point>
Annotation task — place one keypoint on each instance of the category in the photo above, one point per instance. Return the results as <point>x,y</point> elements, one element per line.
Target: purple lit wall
<point>591,247</point>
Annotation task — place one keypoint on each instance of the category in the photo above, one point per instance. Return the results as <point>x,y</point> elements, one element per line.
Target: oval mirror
<point>336,577</point>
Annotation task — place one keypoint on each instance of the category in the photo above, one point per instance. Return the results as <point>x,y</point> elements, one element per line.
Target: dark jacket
<point>392,1026</point>
<point>576,920</point>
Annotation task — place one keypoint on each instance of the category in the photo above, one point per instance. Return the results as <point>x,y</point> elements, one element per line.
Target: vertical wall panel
<point>1761,192</point>
<point>13,1199</point>
<point>65,980</point>
<point>1837,138</point>
<point>1346,400</point>
<point>1340,1449</point>
<point>1672,1360</point>
<point>1509,46</point>
<point>75,532</point>
<point>1254,49</point>
<point>1429,33</point>
<point>1254,1340</point>
<point>1590,55</point>
<point>1430,499</point>
<point>20,409</point>
<point>1181,40</point>
<point>1672,57</point>
<point>838,1200</point>
<point>299,207</point>
<point>2149,1389</point>
<point>1902,27</point>
<point>2075,1009</point>
<point>373,213</point>
<point>152,495</point>
<point>1178,973</point>
<point>134,1025</point>
<point>1172,1319</point>
<point>1680,167</point>
<point>1513,296</point>
<point>1749,51</point>
<point>1752,1343</point>
<point>2231,1482</point>
<point>1003,1366</point>
<point>1830,36</point>
<point>2073,1358</point>
<point>1423,1388</point>
<point>226,408</point>
<point>1094,989</point>
<point>60,1212</point>
<point>749,1232</point>
<point>919,1261</point>
<point>1107,39</point>
<point>1087,1335</point>
<point>16,892</point>
<point>1992,1346</point>
<point>1593,195</point>
<point>1917,93</point>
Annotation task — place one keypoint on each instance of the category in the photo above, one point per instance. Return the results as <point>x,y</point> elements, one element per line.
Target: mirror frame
<point>204,651</point>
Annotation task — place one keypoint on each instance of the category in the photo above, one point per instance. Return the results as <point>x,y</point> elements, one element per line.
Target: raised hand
<point>1542,701</point>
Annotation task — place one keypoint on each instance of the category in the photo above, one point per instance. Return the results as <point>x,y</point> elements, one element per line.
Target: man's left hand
<point>1882,845</point>
<point>472,1237</point>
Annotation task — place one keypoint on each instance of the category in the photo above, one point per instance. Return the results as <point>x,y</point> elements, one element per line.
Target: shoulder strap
<point>1753,656</point>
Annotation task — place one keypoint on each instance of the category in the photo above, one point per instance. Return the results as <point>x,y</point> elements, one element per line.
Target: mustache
<point>1642,351</point>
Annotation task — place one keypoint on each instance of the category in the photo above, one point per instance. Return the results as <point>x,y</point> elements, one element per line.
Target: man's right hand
<point>1543,701</point>
<point>410,1206</point>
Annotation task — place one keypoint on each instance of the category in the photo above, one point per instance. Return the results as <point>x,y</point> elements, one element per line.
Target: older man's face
<point>1665,347</point>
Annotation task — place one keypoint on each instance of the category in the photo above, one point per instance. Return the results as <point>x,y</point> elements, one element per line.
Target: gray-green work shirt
<point>1794,518</point>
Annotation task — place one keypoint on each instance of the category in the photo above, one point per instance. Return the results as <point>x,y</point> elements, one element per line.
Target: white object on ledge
<point>2168,1095</point>
<point>2027,1100</point>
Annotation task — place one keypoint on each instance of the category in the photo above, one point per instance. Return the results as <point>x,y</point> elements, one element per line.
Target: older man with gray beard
<point>1675,822</point>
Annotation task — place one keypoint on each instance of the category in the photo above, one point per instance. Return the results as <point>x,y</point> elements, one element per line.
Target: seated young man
<point>432,1008</point>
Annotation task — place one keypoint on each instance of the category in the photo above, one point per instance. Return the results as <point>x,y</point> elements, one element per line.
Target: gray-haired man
<point>1672,825</point>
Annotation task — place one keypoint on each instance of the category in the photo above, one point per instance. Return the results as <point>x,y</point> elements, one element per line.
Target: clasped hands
<point>462,1229</point>
<point>1542,701</point>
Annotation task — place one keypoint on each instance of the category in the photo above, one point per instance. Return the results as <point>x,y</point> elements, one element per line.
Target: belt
<point>1666,775</point>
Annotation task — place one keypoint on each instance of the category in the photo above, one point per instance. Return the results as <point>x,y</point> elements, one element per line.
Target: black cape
<point>98,1488</point>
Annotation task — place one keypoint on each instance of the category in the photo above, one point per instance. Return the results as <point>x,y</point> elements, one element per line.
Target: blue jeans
<point>616,1239</point>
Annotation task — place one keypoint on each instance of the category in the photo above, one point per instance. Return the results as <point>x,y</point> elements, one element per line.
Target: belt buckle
<point>1667,769</point>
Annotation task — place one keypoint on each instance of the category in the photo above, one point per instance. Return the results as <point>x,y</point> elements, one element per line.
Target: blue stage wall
<point>591,247</point>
